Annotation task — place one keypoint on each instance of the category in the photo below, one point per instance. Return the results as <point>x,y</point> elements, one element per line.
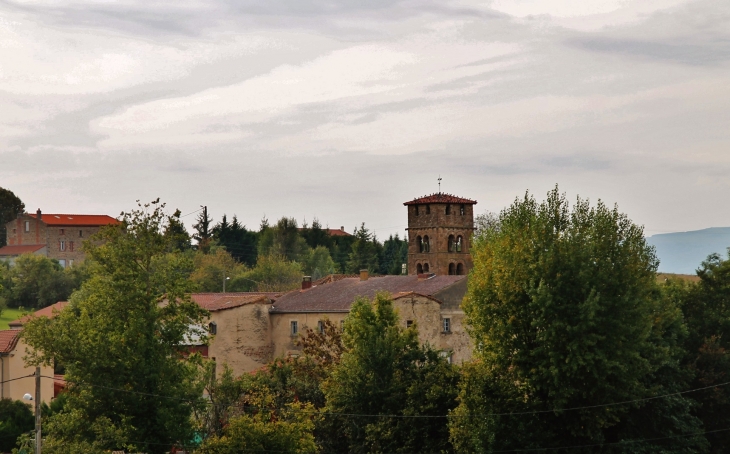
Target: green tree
<point>271,274</point>
<point>364,252</point>
<point>121,340</point>
<point>384,371</point>
<point>316,235</point>
<point>283,240</point>
<point>706,307</point>
<point>395,254</point>
<point>179,238</point>
<point>203,231</point>
<point>211,269</point>
<point>317,262</point>
<point>37,282</point>
<point>564,312</point>
<point>238,241</point>
<point>15,419</point>
<point>10,207</point>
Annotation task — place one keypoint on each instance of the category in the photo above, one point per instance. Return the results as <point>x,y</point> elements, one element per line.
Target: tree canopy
<point>10,207</point>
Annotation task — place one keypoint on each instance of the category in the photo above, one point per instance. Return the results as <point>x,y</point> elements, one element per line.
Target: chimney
<point>342,227</point>
<point>363,275</point>
<point>306,282</point>
<point>38,214</point>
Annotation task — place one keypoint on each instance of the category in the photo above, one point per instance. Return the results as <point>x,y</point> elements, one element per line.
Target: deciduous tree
<point>10,207</point>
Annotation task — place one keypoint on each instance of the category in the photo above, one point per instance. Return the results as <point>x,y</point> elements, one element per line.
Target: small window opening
<point>62,245</point>
<point>452,269</point>
<point>320,326</point>
<point>342,325</point>
<point>419,267</point>
<point>452,247</point>
<point>460,269</point>
<point>62,263</point>
<point>462,210</point>
<point>417,210</point>
<point>71,263</point>
<point>447,325</point>
<point>409,323</point>
<point>447,356</point>
<point>419,240</point>
<point>459,241</point>
<point>61,231</point>
<point>448,210</point>
<point>27,226</point>
<point>426,244</point>
<point>81,233</point>
<point>425,267</point>
<point>71,246</point>
<point>294,327</point>
<point>428,209</point>
<point>212,328</point>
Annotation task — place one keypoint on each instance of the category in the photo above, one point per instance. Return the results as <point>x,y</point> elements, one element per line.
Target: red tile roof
<point>49,312</point>
<point>8,340</point>
<point>222,301</point>
<point>338,232</point>
<point>76,219</point>
<point>338,296</point>
<point>440,198</point>
<point>21,249</point>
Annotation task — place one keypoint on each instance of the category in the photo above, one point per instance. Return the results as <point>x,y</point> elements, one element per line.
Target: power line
<point>17,378</point>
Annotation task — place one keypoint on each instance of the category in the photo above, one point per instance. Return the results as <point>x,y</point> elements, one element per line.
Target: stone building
<point>440,227</point>
<point>62,235</point>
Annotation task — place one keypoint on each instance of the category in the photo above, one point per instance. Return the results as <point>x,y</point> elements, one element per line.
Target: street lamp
<point>37,400</point>
<point>224,283</point>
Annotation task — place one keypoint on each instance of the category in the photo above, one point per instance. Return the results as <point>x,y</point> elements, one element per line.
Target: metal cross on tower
<point>439,184</point>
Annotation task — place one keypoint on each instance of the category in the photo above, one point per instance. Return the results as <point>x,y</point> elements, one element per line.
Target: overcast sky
<point>344,110</point>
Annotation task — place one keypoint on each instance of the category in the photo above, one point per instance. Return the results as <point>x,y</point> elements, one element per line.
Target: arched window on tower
<point>452,246</point>
<point>452,269</point>
<point>460,269</point>
<point>419,268</point>
<point>416,206</point>
<point>419,240</point>
<point>425,267</point>
<point>428,209</point>
<point>462,209</point>
<point>448,210</point>
<point>426,244</point>
<point>459,243</point>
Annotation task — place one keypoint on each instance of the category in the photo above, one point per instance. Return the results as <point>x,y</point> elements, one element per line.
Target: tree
<point>203,233</point>
<point>122,340</point>
<point>10,207</point>
<point>213,268</point>
<point>384,371</point>
<point>37,281</point>
<point>317,262</point>
<point>395,254</point>
<point>15,419</point>
<point>238,241</point>
<point>271,274</point>
<point>178,235</point>
<point>364,253</point>
<point>564,312</point>
<point>283,240</point>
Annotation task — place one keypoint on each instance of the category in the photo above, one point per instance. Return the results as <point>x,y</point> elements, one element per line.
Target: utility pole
<point>38,410</point>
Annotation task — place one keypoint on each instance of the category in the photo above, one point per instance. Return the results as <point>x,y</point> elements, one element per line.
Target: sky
<point>342,111</point>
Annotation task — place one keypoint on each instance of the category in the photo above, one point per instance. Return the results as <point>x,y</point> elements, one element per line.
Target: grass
<point>9,315</point>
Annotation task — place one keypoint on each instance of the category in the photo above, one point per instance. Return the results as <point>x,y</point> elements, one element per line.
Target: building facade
<point>440,227</point>
<point>61,235</point>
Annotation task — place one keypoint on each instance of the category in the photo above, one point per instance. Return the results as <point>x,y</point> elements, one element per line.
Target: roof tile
<point>440,198</point>
<point>76,219</point>
<point>49,312</point>
<point>8,340</point>
<point>222,301</point>
<point>21,249</point>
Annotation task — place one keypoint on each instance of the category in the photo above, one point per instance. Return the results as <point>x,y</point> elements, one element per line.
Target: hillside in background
<point>682,252</point>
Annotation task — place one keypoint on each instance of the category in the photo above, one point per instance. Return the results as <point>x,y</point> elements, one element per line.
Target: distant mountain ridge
<point>682,252</point>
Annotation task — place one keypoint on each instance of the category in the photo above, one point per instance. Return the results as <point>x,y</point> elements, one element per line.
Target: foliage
<point>10,207</point>
<point>283,240</point>
<point>325,347</point>
<point>203,233</point>
<point>317,262</point>
<point>394,255</point>
<point>239,241</point>
<point>564,312</point>
<point>36,282</point>
<point>15,419</point>
<point>271,274</point>
<point>212,268</point>
<point>364,253</point>
<point>706,307</point>
<point>121,340</point>
<point>178,236</point>
<point>384,371</point>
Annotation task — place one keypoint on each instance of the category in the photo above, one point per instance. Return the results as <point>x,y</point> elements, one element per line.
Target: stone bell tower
<point>439,234</point>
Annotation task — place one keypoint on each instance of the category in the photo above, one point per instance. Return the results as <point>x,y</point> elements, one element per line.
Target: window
<point>61,231</point>
<point>448,210</point>
<point>13,230</point>
<point>447,355</point>
<point>294,328</point>
<point>419,240</point>
<point>462,210</point>
<point>419,268</point>
<point>320,326</point>
<point>428,209</point>
<point>27,226</point>
<point>81,233</point>
<point>452,269</point>
<point>71,246</point>
<point>342,325</point>
<point>409,323</point>
<point>425,267</point>
<point>459,241</point>
<point>447,325</point>
<point>426,244</point>
<point>212,328</point>
<point>416,210</point>
<point>460,269</point>
<point>62,263</point>
<point>62,245</point>
<point>452,246</point>
<point>71,263</point>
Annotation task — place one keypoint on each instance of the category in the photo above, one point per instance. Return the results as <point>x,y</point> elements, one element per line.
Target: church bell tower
<point>440,227</point>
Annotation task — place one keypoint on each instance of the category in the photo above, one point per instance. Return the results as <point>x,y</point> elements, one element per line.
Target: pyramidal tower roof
<point>440,198</point>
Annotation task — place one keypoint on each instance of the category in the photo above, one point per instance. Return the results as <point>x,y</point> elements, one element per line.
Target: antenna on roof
<point>439,184</point>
